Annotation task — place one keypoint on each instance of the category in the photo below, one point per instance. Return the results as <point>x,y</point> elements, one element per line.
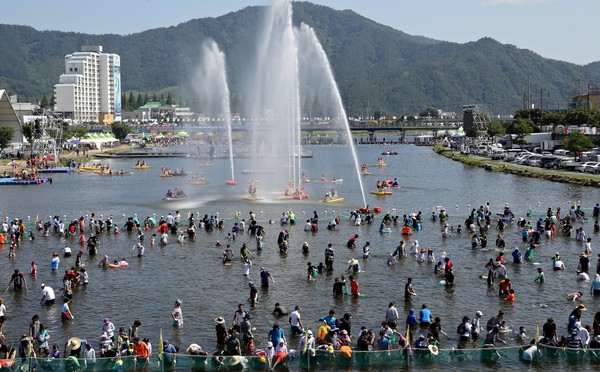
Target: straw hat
<point>220,320</point>
<point>235,360</point>
<point>193,348</point>
<point>74,343</point>
<point>433,349</point>
<point>353,261</point>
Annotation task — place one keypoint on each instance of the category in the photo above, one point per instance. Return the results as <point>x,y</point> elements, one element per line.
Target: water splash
<point>318,81</point>
<point>213,90</point>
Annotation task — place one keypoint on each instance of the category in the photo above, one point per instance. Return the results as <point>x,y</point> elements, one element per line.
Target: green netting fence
<point>329,361</point>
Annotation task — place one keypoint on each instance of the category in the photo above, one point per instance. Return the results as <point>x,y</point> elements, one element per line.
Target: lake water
<point>193,272</point>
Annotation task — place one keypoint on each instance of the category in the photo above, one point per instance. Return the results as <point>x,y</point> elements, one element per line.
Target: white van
<point>497,153</point>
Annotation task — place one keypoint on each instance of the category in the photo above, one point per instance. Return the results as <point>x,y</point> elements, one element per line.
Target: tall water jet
<point>274,101</point>
<point>213,91</point>
<point>318,81</point>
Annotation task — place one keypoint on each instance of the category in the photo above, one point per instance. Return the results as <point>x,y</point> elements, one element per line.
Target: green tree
<point>162,97</point>
<point>472,132</point>
<point>581,116</point>
<point>6,136</point>
<point>495,128</point>
<point>125,102</point>
<point>131,101</point>
<point>429,113</point>
<point>120,130</point>
<point>52,102</point>
<point>139,102</point>
<point>522,128</point>
<point>169,99</point>
<point>534,115</point>
<point>80,132</point>
<point>577,141</point>
<point>27,130</point>
<point>44,102</point>
<point>552,118</point>
<point>146,99</point>
<point>154,98</point>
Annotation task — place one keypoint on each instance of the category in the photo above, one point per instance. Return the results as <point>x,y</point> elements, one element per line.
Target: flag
<point>160,349</point>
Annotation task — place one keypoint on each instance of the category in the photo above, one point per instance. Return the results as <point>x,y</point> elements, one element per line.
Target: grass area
<point>494,166</point>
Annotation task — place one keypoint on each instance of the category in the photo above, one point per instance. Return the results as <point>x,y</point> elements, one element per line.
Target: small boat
<point>205,164</point>
<point>365,173</point>
<point>333,200</point>
<point>337,180</point>
<point>89,167</point>
<point>117,174</point>
<point>305,180</point>
<point>166,175</point>
<point>197,182</point>
<point>381,165</point>
<point>389,152</point>
<point>252,198</point>
<point>382,193</point>
<point>174,198</point>
<point>178,174</point>
<point>141,167</point>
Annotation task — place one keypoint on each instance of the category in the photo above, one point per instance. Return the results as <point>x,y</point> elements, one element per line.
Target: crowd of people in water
<point>419,329</point>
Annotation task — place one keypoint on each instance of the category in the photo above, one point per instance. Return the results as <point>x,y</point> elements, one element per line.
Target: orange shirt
<point>140,349</point>
<point>354,287</point>
<point>505,286</point>
<point>511,297</point>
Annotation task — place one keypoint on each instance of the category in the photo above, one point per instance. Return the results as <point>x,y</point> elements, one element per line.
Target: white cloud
<point>516,2</point>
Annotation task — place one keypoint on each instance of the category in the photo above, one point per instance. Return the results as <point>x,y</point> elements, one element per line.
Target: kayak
<point>382,193</point>
<point>335,200</point>
<point>115,174</point>
<point>191,182</point>
<point>381,165</point>
<point>332,181</point>
<point>141,167</point>
<point>306,180</point>
<point>166,175</point>
<point>365,173</point>
<point>205,164</point>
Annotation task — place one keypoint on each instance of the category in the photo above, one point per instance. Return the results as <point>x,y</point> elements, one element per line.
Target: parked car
<point>562,152</point>
<point>553,163</point>
<point>497,153</point>
<point>534,160</point>
<point>523,158</point>
<point>569,164</point>
<point>582,166</point>
<point>593,167</point>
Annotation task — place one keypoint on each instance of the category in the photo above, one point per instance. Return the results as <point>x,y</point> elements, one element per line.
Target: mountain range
<point>376,67</point>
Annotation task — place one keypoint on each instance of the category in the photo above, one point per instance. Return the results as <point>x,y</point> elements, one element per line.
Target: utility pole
<point>528,91</point>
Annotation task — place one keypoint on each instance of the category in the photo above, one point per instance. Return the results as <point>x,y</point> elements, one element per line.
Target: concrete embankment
<point>521,170</point>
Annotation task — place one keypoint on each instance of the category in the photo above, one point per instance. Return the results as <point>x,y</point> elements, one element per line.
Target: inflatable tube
<point>7,363</point>
<point>112,266</point>
<point>123,264</point>
<point>377,209</point>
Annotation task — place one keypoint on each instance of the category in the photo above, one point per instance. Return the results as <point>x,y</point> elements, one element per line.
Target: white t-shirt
<point>247,266</point>
<point>2,310</point>
<point>66,250</point>
<point>48,293</point>
<point>295,318</point>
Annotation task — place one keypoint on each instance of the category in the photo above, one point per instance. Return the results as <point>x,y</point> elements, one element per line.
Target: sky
<point>559,29</point>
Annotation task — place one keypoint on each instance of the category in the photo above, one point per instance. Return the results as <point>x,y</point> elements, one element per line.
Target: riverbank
<point>581,179</point>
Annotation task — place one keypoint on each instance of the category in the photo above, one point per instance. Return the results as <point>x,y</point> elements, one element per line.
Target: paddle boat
<point>332,200</point>
<point>382,193</point>
<point>141,167</point>
<point>175,195</point>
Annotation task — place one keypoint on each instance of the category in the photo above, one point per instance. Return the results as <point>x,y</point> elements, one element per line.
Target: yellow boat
<point>166,175</point>
<point>141,167</point>
<point>305,180</point>
<point>381,165</point>
<point>205,164</point>
<point>79,170</point>
<point>191,182</point>
<point>382,193</point>
<point>335,200</point>
<point>88,167</point>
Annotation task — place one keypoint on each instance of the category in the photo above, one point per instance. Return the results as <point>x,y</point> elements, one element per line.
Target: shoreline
<point>525,171</point>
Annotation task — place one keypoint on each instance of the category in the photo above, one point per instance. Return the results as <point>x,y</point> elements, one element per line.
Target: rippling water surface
<point>193,272</point>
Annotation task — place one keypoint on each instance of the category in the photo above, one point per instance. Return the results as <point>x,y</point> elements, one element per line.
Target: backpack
<point>460,329</point>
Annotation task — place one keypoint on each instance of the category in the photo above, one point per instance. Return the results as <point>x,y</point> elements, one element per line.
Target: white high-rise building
<point>90,88</point>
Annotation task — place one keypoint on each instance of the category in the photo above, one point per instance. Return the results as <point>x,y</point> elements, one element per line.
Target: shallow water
<point>148,288</point>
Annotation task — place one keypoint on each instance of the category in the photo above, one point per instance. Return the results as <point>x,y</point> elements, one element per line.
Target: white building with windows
<point>90,88</point>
